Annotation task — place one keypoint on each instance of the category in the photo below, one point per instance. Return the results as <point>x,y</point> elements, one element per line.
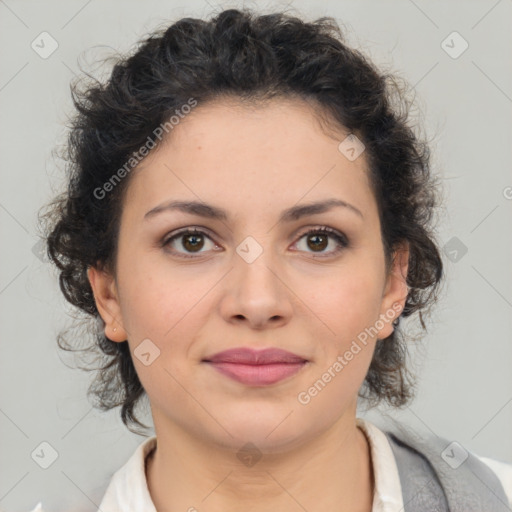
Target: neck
<point>331,471</point>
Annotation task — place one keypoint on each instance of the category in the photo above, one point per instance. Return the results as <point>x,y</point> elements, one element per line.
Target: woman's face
<point>253,278</point>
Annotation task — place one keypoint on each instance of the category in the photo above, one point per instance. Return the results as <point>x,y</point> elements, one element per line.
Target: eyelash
<point>324,230</point>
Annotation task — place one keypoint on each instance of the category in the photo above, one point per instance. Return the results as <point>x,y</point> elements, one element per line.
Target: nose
<point>256,293</point>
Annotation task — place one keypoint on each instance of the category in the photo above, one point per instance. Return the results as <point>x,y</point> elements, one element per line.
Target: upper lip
<point>256,357</point>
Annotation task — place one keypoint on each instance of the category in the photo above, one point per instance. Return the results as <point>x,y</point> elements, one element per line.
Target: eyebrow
<point>288,215</point>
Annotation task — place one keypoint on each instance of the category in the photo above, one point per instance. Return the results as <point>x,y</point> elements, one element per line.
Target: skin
<point>254,163</point>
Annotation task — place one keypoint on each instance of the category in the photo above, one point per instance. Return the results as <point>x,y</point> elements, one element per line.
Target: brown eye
<point>192,242</point>
<point>317,240</point>
<point>189,241</point>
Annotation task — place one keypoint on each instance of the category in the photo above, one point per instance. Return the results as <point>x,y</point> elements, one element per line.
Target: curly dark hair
<point>252,58</point>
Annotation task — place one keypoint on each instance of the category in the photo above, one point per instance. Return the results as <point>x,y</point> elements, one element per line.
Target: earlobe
<point>396,290</point>
<point>106,297</point>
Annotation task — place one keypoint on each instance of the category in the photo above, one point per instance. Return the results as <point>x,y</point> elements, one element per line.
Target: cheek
<point>348,303</point>
<point>158,307</point>
<point>166,312</point>
<point>154,296</point>
<point>349,309</point>
<point>348,298</point>
<point>167,309</point>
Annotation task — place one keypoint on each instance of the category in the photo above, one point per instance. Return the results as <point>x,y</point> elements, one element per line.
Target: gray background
<point>465,386</point>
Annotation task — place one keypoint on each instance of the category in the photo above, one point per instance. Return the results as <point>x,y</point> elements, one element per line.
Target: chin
<point>269,433</point>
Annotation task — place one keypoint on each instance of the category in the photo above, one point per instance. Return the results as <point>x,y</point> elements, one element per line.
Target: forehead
<point>276,152</point>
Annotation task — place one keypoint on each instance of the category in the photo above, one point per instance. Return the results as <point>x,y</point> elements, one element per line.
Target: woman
<point>249,216</point>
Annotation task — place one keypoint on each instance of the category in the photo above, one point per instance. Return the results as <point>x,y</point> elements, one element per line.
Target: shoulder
<point>503,470</point>
<point>464,476</point>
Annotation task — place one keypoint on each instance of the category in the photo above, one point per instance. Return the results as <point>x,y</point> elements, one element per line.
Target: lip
<point>256,367</point>
<point>244,355</point>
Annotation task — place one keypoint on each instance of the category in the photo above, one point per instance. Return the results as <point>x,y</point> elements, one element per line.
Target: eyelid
<point>321,228</point>
<point>188,229</point>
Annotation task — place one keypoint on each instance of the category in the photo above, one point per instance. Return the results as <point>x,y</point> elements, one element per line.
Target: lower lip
<point>260,374</point>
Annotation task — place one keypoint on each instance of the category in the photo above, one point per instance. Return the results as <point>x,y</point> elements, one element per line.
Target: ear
<point>107,302</point>
<point>395,290</point>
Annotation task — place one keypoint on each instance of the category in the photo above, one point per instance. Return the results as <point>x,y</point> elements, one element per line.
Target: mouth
<point>256,368</point>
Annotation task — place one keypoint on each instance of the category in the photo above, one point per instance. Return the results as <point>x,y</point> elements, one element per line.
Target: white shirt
<point>128,489</point>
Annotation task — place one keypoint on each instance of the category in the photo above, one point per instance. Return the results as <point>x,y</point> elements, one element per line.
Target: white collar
<point>388,491</point>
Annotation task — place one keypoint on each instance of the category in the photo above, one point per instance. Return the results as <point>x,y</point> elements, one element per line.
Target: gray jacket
<point>438,475</point>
